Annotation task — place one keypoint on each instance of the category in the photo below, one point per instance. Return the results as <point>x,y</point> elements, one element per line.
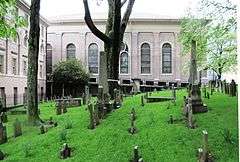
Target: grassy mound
<point>111,142</point>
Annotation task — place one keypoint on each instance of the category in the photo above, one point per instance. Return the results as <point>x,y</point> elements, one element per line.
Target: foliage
<point>68,124</point>
<point>110,141</point>
<point>9,19</point>
<point>70,71</point>
<point>227,135</point>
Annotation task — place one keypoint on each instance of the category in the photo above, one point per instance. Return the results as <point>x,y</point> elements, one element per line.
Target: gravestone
<point>136,85</point>
<point>3,133</point>
<point>65,151</point>
<point>233,88</point>
<point>197,105</point>
<point>96,115</point>
<point>224,86</point>
<point>171,119</point>
<point>91,116</point>
<point>132,129</point>
<point>84,99</point>
<point>3,117</point>
<point>174,94</point>
<point>208,95</point>
<point>59,107</point>
<point>142,101</point>
<point>204,153</point>
<point>3,103</point>
<point>117,99</point>
<point>1,155</point>
<point>17,128</point>
<point>42,129</point>
<point>136,156</point>
<point>87,96</point>
<point>204,91</point>
<point>133,112</point>
<point>64,107</point>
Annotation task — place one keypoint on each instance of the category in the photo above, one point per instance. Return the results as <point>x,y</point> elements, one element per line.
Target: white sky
<point>171,8</point>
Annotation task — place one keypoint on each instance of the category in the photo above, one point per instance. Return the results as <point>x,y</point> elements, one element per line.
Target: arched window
<point>49,59</point>
<point>124,63</point>
<point>145,59</point>
<point>93,58</point>
<point>71,51</point>
<point>166,58</point>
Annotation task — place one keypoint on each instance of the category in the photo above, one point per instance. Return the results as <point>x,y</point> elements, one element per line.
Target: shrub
<point>63,135</point>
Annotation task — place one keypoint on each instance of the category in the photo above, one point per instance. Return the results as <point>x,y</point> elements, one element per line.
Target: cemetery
<point>97,103</point>
<point>126,129</point>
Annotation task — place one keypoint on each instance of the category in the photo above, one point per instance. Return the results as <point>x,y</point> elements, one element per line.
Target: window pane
<point>71,50</point>
<point>166,58</point>
<point>145,58</point>
<point>93,58</point>
<point>124,63</point>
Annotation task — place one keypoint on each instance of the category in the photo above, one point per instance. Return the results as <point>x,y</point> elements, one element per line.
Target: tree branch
<point>123,2</point>
<point>126,16</point>
<point>92,27</point>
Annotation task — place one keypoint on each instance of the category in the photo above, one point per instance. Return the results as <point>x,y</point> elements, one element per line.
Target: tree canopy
<point>70,71</point>
<point>9,19</point>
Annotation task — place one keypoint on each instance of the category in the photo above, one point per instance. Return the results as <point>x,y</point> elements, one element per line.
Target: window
<point>41,71</point>
<point>71,50</point>
<point>24,67</point>
<point>49,59</point>
<point>124,59</point>
<point>14,66</point>
<point>1,64</point>
<point>166,58</point>
<point>15,95</point>
<point>93,58</point>
<point>145,59</point>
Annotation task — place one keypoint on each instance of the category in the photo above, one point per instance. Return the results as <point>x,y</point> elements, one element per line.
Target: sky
<point>170,8</point>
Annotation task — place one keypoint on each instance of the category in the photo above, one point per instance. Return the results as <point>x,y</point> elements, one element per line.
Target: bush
<point>63,135</point>
<point>68,124</point>
<point>26,147</point>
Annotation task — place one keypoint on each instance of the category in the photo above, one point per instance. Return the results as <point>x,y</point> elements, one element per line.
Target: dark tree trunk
<point>33,49</point>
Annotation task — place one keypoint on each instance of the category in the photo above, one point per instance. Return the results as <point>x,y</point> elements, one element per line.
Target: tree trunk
<point>33,49</point>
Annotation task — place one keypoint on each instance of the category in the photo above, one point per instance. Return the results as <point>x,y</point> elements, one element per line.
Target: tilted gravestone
<point>233,88</point>
<point>3,117</point>
<point>91,116</point>
<point>136,157</point>
<point>17,128</point>
<point>204,153</point>
<point>65,152</point>
<point>3,133</point>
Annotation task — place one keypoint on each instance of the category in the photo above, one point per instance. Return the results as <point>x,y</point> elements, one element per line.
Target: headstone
<point>65,151</point>
<point>117,99</point>
<point>203,153</point>
<point>136,156</point>
<point>64,106</point>
<point>1,155</point>
<point>204,91</point>
<point>171,119</point>
<point>195,95</point>
<point>87,96</point>
<point>17,128</point>
<point>3,133</point>
<point>3,117</point>
<point>208,95</point>
<point>136,85</point>
<point>132,129</point>
<point>142,101</point>
<point>174,94</point>
<point>58,107</point>
<point>96,115</point>
<point>133,112</point>
<point>84,99</point>
<point>233,88</point>
<point>42,129</point>
<point>91,116</point>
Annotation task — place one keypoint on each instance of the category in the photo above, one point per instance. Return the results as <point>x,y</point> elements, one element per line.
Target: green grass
<point>158,141</point>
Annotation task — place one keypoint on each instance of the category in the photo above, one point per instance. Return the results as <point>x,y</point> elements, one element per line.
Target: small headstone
<point>64,107</point>
<point>132,129</point>
<point>65,151</point>
<point>17,128</point>
<point>3,133</point>
<point>142,101</point>
<point>42,129</point>
<point>233,88</point>
<point>58,107</point>
<point>133,112</point>
<point>136,156</point>
<point>91,116</point>
<point>203,153</point>
<point>171,119</point>
<point>174,94</point>
<point>96,115</point>
<point>3,117</point>
<point>1,155</point>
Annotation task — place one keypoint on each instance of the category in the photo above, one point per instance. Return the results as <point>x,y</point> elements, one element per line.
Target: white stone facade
<point>14,58</point>
<point>73,30</point>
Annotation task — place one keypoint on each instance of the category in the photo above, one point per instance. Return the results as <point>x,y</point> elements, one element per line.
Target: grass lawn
<point>158,141</point>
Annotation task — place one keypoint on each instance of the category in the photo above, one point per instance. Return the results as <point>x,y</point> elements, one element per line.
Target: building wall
<point>156,33</point>
<point>17,49</point>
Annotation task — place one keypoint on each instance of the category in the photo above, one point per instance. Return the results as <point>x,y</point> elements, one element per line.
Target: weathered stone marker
<point>3,133</point>
<point>174,94</point>
<point>91,116</point>
<point>64,107</point>
<point>65,151</point>
<point>17,128</point>
<point>136,157</point>
<point>1,155</point>
<point>59,108</point>
<point>96,115</point>
<point>142,101</point>
<point>3,117</point>
<point>232,88</point>
<point>171,119</point>
<point>203,153</point>
<point>132,129</point>
<point>133,112</point>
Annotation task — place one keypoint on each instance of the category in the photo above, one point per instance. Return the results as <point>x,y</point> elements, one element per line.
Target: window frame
<point>163,60</point>
<point>98,52</point>
<point>150,57</point>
